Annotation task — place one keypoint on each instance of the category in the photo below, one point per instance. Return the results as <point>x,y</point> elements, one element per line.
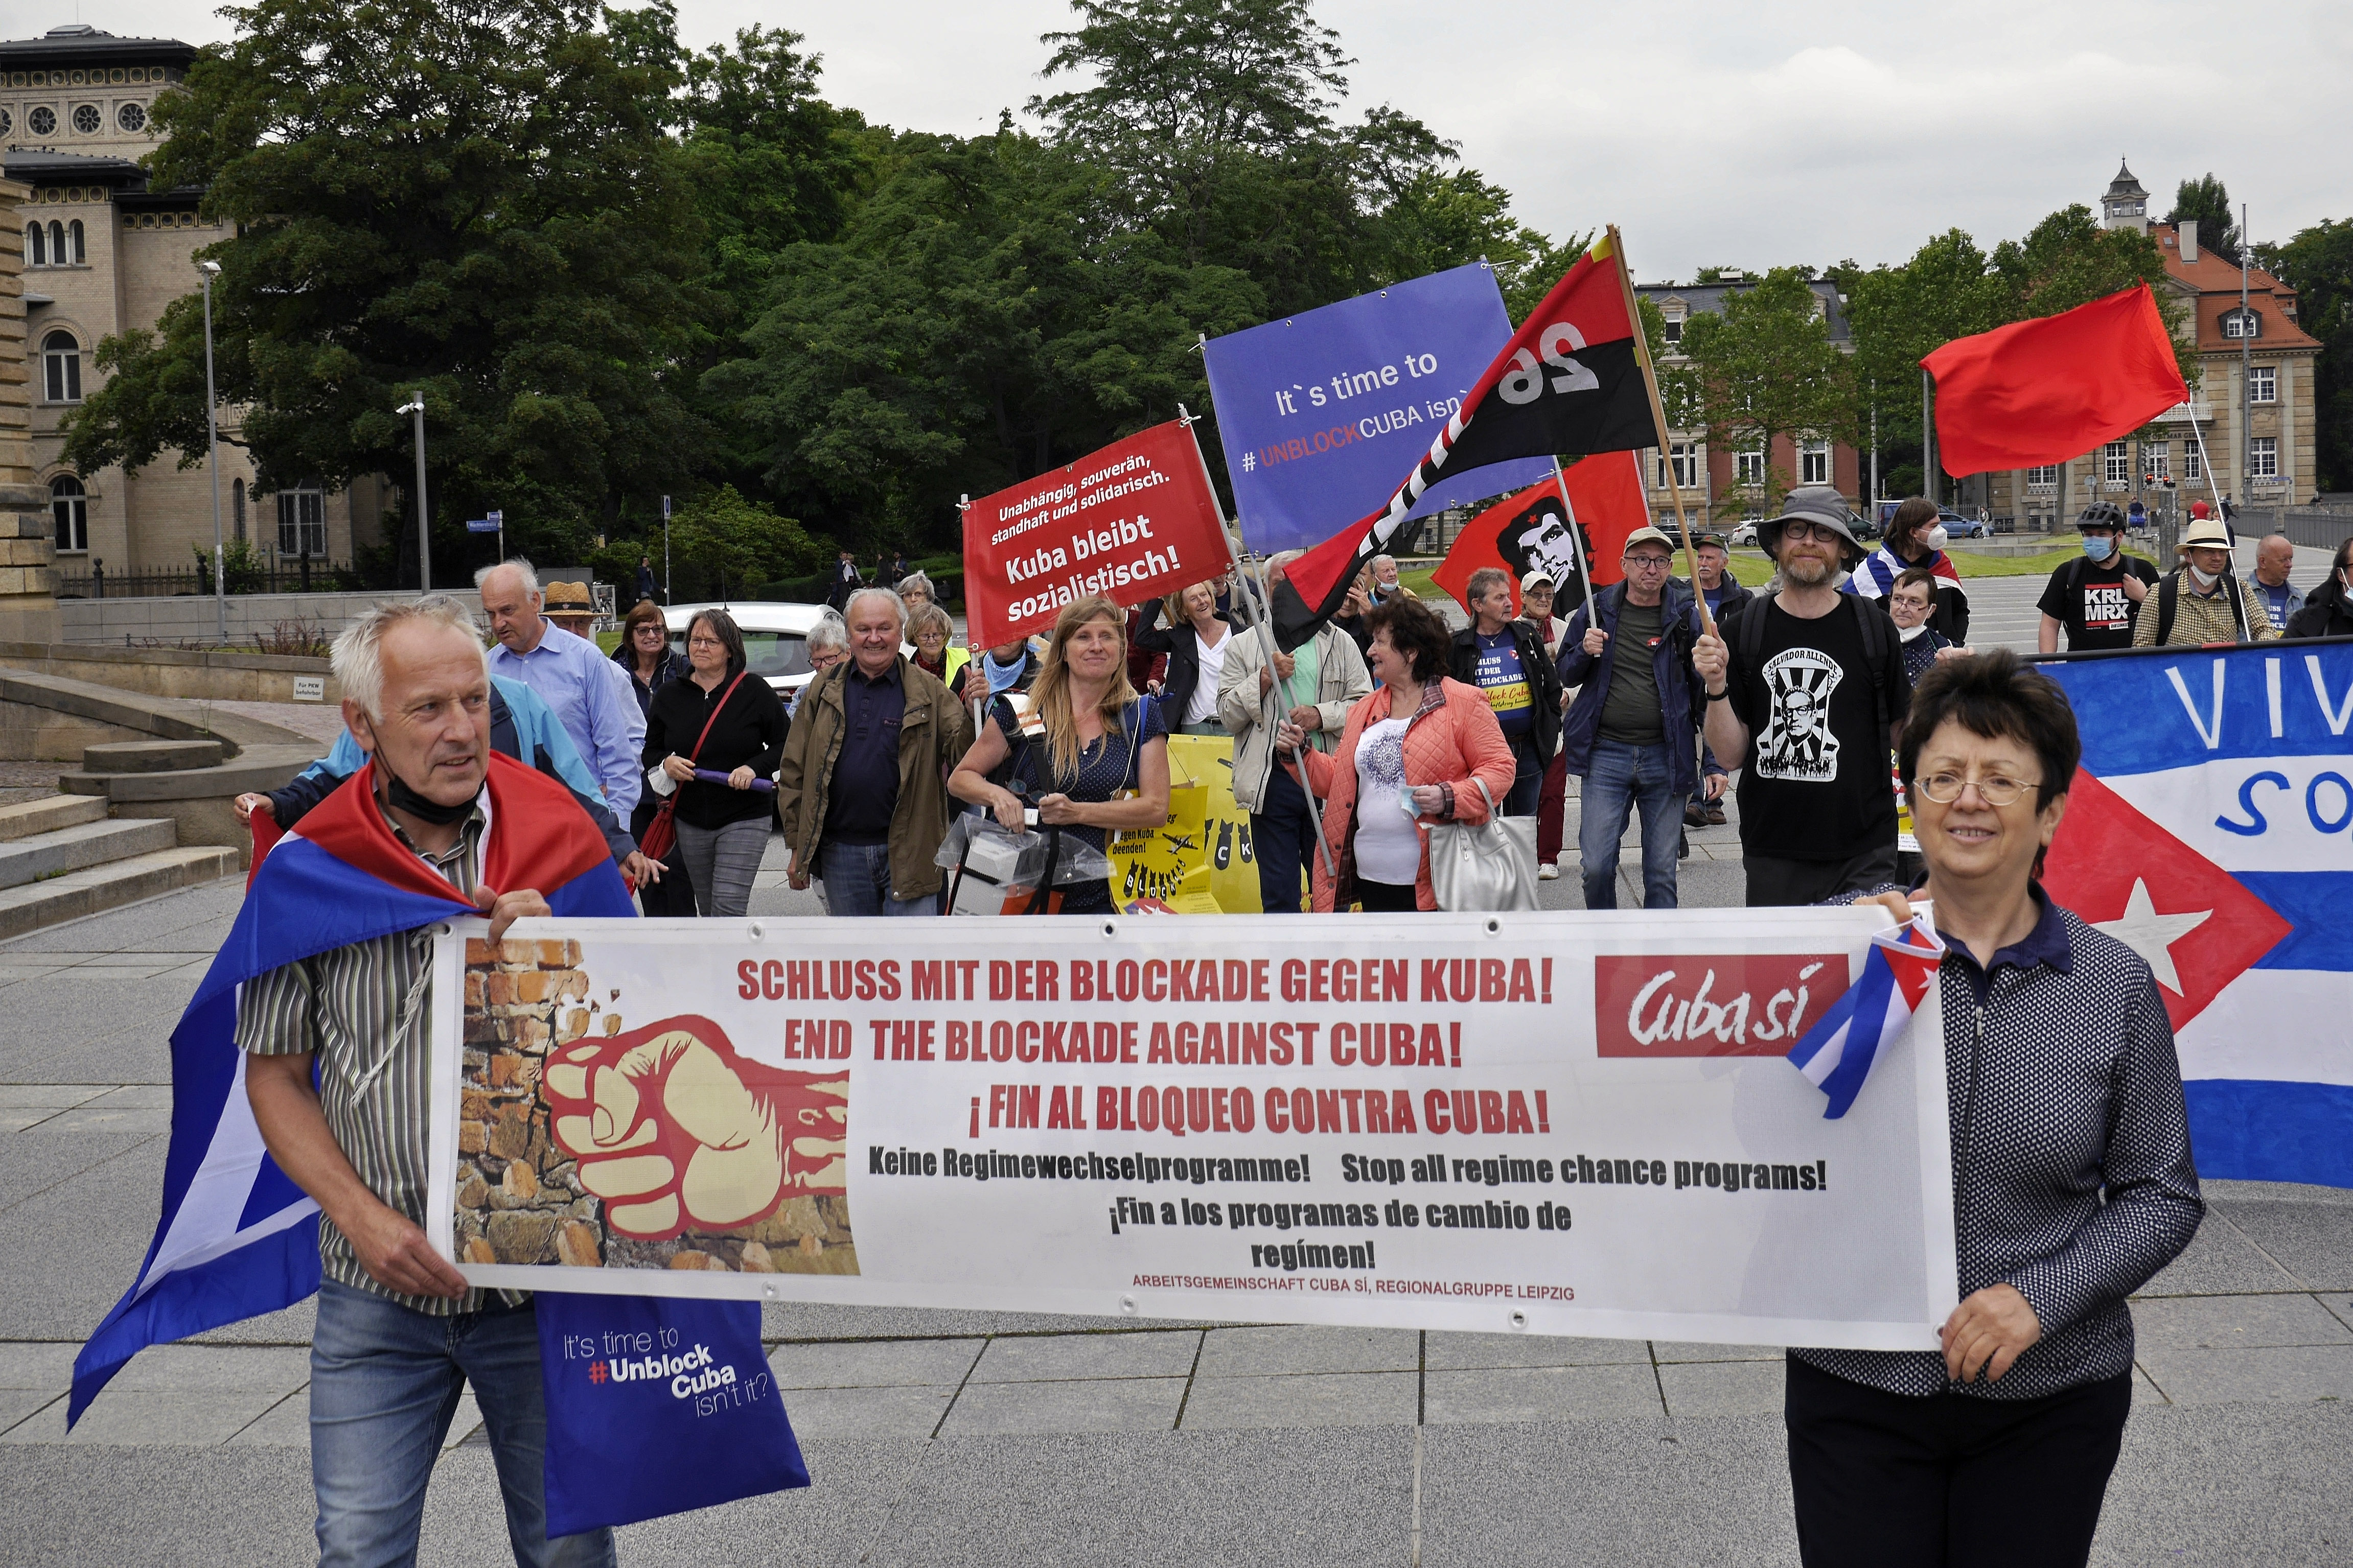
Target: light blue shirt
<point>536,730</point>
<point>591,698</point>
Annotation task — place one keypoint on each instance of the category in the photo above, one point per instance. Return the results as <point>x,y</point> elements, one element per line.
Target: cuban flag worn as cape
<point>2210,830</point>
<point>238,1238</point>
<point>1875,578</point>
<point>1836,1055</point>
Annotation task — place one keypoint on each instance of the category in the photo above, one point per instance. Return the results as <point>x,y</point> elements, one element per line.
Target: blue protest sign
<point>656,1406</point>
<point>1322,415</point>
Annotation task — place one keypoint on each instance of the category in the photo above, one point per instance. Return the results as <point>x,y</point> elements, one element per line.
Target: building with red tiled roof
<point>2253,403</point>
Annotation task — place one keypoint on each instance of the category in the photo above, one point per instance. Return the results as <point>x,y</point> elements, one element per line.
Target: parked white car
<point>1746,532</point>
<point>776,638</point>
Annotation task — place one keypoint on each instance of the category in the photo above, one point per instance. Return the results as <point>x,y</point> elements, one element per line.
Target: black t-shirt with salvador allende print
<point>1815,786</point>
<point>2090,601</point>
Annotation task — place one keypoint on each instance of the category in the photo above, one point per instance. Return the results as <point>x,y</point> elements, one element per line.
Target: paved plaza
<point>943,1437</point>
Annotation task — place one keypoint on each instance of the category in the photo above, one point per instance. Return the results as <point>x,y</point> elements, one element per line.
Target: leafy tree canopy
<point>2205,201</point>
<point>2319,264</point>
<point>1764,367</point>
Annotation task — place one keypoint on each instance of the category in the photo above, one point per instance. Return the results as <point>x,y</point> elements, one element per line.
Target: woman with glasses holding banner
<point>1089,753</point>
<point>2072,1177</point>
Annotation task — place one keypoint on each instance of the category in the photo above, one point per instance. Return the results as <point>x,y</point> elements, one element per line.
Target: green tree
<point>470,197</point>
<point>2319,264</point>
<point>721,543</point>
<point>2205,201</point>
<point>1764,368</point>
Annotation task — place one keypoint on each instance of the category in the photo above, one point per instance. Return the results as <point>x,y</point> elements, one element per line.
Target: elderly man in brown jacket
<point>860,790</point>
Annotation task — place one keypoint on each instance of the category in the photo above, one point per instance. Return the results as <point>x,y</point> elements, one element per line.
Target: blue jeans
<point>1284,838</point>
<point>856,879</point>
<point>385,1382</point>
<point>1620,779</point>
<point>1527,779</point>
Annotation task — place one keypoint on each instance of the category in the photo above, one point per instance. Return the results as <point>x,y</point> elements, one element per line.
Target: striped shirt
<point>366,1011</point>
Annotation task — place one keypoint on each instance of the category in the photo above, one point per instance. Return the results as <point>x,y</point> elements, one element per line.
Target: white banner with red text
<point>1557,1123</point>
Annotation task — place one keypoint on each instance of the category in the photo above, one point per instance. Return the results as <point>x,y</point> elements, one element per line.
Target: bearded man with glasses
<point>1809,694</point>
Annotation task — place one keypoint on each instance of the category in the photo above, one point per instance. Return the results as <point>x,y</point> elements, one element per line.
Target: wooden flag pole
<point>1659,416</point>
<point>1262,617</point>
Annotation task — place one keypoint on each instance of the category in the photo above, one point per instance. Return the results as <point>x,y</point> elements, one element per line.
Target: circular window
<point>79,77</point>
<point>87,118</point>
<point>131,116</point>
<point>42,121</point>
<point>115,75</point>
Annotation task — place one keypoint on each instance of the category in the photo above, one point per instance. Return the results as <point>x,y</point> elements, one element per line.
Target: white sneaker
<point>1548,873</point>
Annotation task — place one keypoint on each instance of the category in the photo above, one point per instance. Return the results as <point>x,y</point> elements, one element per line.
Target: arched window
<point>74,247</point>
<point>237,507</point>
<point>56,244</point>
<point>69,508</point>
<point>36,246</point>
<point>302,521</point>
<point>61,368</point>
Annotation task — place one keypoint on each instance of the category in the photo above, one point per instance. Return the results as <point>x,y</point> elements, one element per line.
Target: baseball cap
<point>1649,536</point>
<point>1533,578</point>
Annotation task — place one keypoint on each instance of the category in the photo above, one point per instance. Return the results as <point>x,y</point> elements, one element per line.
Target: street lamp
<point>415,405</point>
<point>211,269</point>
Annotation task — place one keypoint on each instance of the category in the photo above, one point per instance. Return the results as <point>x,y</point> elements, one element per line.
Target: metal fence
<point>263,576</point>
<point>2321,528</point>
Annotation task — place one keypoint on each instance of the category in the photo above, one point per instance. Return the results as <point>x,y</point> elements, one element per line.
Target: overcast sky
<point>1754,135</point>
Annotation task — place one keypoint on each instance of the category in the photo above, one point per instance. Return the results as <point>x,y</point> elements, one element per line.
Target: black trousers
<point>1885,1480</point>
<point>1776,883</point>
<point>1387,897</point>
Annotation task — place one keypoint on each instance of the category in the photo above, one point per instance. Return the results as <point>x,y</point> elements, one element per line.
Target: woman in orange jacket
<point>1406,757</point>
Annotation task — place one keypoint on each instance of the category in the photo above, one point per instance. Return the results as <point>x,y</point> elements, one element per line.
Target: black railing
<point>315,575</point>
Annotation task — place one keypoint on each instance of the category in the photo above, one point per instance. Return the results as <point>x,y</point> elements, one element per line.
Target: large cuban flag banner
<point>2211,831</point>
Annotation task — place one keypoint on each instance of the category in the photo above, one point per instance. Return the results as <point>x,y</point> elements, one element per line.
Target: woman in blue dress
<point>1091,755</point>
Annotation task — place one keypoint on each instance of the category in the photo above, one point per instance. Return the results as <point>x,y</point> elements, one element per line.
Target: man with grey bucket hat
<point>1807,689</point>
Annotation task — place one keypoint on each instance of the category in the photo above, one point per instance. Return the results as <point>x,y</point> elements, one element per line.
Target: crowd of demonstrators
<point>1194,635</point>
<point>2274,559</point>
<point>2072,1178</point>
<point>1504,657</point>
<point>1724,592</point>
<point>2095,598</point>
<point>1090,753</point>
<point>338,1075</point>
<point>1631,735</point>
<point>1421,748</point>
<point>2202,601</point>
<point>2328,612</point>
<point>844,581</point>
<point>859,787</point>
<point>1806,687</point>
<point>1915,542</point>
<point>588,694</point>
<point>1912,605</point>
<point>824,645</point>
<point>1314,688</point>
<point>933,632</point>
<point>719,719</point>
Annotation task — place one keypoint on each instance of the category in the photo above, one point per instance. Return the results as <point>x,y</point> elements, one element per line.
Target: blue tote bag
<point>656,1406</point>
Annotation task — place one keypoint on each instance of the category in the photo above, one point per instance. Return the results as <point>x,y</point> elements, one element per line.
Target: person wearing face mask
<point>2202,602</point>
<point>1912,605</point>
<point>2329,613</point>
<point>2095,598</point>
<point>1915,541</point>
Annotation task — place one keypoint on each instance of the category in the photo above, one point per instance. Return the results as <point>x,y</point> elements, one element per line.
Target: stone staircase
<point>63,857</point>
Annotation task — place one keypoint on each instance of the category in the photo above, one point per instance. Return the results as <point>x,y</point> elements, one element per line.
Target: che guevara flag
<point>1569,381</point>
<point>2042,392</point>
<point>237,1237</point>
<point>1530,531</point>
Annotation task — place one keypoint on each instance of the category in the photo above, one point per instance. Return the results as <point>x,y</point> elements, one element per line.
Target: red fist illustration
<point>676,1131</point>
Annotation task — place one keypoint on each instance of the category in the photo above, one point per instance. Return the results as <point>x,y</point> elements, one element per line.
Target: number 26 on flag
<point>1524,383</point>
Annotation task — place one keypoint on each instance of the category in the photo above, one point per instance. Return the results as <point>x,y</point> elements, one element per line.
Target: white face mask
<point>1936,537</point>
<point>2204,580</point>
<point>1909,633</point>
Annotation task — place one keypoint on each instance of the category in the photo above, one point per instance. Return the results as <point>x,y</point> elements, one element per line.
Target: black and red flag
<point>1570,382</point>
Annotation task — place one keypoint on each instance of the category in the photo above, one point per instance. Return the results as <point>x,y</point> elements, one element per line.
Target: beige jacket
<point>1342,681</point>
<point>2202,618</point>
<point>935,731</point>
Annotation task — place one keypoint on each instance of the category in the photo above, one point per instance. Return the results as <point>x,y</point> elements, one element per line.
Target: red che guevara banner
<point>1130,521</point>
<point>1529,532</point>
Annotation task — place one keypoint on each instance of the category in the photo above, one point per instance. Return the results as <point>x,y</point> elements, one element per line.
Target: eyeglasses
<point>1648,563</point>
<point>704,642</point>
<point>1827,533</point>
<point>1996,790</point>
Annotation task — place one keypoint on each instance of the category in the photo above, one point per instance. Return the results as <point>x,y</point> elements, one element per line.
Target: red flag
<point>1528,531</point>
<point>1568,382</point>
<point>2046,391</point>
<point>1131,521</point>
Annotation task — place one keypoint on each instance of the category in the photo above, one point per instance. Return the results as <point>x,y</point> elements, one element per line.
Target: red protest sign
<point>1130,521</point>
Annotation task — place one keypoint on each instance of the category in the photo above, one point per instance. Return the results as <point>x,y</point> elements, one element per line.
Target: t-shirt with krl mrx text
<point>1815,783</point>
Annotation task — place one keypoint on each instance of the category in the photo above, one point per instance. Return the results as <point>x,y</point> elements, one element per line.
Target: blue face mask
<point>2098,546</point>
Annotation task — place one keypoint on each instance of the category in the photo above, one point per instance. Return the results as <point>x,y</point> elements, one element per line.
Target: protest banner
<point>1319,413</point>
<point>1201,861</point>
<point>2207,830</point>
<point>1135,520</point>
<point>1530,533</point>
<point>1566,1123</point>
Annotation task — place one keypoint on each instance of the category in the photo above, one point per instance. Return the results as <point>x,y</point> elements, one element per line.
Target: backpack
<point>2168,599</point>
<point>1878,634</point>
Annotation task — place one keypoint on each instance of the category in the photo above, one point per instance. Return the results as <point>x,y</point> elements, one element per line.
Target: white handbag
<point>1487,867</point>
